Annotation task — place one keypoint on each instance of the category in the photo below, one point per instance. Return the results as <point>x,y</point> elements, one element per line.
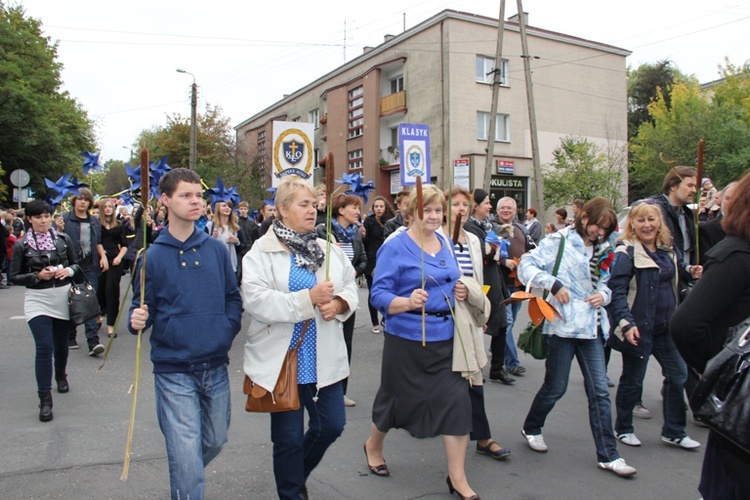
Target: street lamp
<point>193,124</point>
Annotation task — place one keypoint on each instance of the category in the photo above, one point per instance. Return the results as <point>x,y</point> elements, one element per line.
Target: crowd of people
<point>641,289</point>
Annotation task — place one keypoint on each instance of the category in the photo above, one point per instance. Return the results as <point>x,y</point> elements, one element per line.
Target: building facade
<point>439,73</point>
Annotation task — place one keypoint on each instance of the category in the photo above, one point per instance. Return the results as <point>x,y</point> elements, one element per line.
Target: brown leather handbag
<point>285,396</point>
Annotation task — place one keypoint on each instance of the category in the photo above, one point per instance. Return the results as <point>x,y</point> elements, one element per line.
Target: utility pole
<point>537,168</point>
<point>193,120</point>
<point>488,167</point>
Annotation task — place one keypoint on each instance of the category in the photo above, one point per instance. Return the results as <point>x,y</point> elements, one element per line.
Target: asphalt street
<point>79,454</point>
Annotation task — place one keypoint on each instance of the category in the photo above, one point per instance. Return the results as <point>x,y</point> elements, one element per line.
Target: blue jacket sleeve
<point>136,302</point>
<point>232,296</point>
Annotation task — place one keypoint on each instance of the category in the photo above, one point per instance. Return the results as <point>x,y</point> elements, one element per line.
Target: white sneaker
<point>684,442</point>
<point>629,439</point>
<point>536,442</point>
<point>619,467</point>
<point>641,411</point>
<point>349,402</point>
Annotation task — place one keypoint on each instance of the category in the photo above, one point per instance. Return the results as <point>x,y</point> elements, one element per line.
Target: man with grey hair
<point>520,243</point>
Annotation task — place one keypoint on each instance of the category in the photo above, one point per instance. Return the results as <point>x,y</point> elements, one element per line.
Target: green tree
<point>43,129</point>
<point>644,84</point>
<point>217,151</point>
<point>115,177</point>
<point>581,169</point>
<point>719,114</point>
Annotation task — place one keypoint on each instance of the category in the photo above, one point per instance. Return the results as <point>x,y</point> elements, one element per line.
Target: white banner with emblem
<point>293,152</point>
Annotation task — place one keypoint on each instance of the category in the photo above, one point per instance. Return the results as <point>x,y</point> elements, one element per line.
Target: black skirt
<point>419,392</point>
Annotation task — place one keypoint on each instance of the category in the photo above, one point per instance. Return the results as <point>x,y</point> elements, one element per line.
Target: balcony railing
<point>393,103</point>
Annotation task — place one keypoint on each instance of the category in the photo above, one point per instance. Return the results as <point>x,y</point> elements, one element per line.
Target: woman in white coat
<point>284,287</point>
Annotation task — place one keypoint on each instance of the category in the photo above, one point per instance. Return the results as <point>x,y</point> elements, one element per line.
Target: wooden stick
<point>145,190</point>
<point>420,215</point>
<point>329,211</point>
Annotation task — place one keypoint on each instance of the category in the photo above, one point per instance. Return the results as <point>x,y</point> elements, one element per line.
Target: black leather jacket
<point>27,262</point>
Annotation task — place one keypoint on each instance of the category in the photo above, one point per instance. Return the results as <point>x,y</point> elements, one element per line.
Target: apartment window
<point>261,134</point>
<point>296,118</point>
<point>356,121</point>
<point>502,126</point>
<point>314,117</point>
<point>485,67</point>
<point>356,159</point>
<point>397,84</point>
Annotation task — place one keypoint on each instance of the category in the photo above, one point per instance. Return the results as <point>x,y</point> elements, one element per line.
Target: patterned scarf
<point>304,246</point>
<point>484,224</point>
<point>44,242</point>
<point>344,234</point>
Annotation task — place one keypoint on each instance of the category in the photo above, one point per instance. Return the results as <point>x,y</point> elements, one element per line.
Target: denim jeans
<point>296,452</point>
<point>511,354</point>
<point>590,356</point>
<point>629,390</point>
<point>193,410</point>
<point>92,325</point>
<point>51,338</point>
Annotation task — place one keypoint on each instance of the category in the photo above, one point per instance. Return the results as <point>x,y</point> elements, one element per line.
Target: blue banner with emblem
<point>414,145</point>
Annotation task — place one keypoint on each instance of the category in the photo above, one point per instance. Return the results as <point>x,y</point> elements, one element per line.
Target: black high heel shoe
<point>379,470</point>
<point>452,490</point>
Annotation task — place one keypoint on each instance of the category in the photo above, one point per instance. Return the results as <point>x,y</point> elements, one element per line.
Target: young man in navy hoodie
<point>194,307</point>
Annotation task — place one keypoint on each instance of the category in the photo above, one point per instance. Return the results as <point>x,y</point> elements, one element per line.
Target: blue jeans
<point>511,354</point>
<point>296,452</point>
<point>193,410</point>
<point>590,356</point>
<point>629,390</point>
<point>51,339</point>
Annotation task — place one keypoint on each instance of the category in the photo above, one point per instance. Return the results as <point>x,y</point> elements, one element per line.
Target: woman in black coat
<point>44,261</point>
<point>345,232</point>
<point>373,239</point>
<point>719,301</point>
<point>479,225</point>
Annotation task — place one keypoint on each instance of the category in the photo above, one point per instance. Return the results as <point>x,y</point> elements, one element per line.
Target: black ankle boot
<point>45,406</point>
<point>62,384</point>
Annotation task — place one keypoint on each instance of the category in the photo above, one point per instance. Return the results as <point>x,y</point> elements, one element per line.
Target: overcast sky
<point>120,57</point>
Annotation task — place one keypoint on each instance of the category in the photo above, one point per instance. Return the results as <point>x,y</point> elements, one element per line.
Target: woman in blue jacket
<point>644,295</point>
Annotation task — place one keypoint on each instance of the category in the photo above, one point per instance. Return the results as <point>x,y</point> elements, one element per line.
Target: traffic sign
<point>20,177</point>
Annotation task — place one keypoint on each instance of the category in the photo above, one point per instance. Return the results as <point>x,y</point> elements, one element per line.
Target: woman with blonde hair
<point>644,296</point>
<point>115,243</point>
<point>224,227</point>
<point>419,391</point>
<point>286,291</point>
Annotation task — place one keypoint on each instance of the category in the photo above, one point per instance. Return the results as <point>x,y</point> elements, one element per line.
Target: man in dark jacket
<point>520,243</point>
<point>85,232</point>
<point>678,190</point>
<point>194,308</point>
<point>398,221</point>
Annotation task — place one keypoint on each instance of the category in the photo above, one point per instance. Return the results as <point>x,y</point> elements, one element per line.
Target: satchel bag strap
<point>555,269</point>
<point>302,334</point>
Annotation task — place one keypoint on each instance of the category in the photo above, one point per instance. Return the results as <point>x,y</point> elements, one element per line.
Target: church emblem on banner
<point>292,150</point>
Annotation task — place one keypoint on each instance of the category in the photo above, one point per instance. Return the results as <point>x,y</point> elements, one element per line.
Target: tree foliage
<point>582,169</point>
<point>644,85</point>
<point>42,128</point>
<point>720,115</point>
<point>217,151</point>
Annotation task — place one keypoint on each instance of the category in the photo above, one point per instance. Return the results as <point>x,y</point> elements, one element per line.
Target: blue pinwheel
<point>159,169</point>
<point>61,187</point>
<point>223,194</point>
<point>352,179</point>
<point>134,173</point>
<point>76,186</point>
<point>53,202</point>
<point>363,190</point>
<point>127,198</point>
<point>272,200</point>
<point>90,162</point>
<point>492,238</point>
<point>253,215</point>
